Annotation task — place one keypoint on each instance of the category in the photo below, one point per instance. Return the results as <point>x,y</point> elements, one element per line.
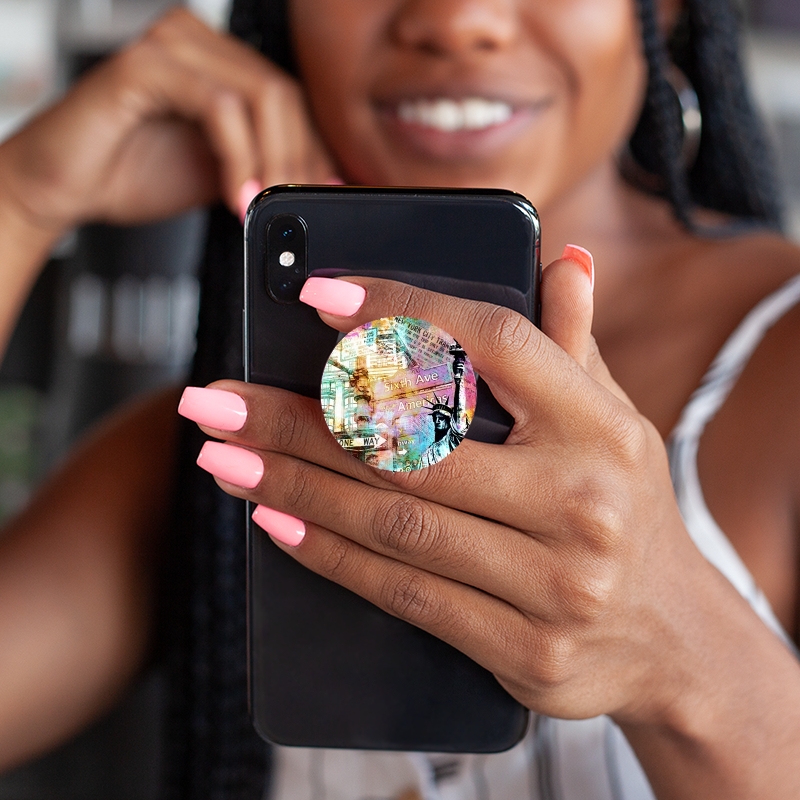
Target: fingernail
<point>334,180</point>
<point>216,408</point>
<point>250,188</point>
<point>232,464</point>
<point>580,255</point>
<point>336,297</point>
<point>283,527</point>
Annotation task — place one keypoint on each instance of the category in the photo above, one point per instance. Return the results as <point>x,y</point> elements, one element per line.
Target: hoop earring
<point>691,121</point>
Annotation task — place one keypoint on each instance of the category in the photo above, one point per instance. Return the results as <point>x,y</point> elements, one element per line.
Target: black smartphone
<point>327,668</point>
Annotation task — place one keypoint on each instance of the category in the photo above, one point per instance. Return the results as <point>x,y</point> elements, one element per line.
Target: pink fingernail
<point>334,180</point>
<point>216,408</point>
<point>249,190</point>
<point>232,464</point>
<point>334,296</point>
<point>283,527</point>
<point>580,255</point>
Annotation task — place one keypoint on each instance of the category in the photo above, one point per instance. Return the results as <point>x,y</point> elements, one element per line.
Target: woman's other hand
<point>179,118</point>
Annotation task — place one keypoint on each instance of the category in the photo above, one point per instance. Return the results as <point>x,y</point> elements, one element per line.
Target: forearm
<point>733,729</point>
<point>77,579</point>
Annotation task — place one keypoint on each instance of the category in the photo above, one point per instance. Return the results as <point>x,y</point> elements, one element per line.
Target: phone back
<point>327,668</point>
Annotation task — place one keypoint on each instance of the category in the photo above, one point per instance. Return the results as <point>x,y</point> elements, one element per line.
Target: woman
<point>573,576</point>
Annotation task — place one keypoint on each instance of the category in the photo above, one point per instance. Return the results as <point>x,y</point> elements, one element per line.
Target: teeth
<point>448,115</point>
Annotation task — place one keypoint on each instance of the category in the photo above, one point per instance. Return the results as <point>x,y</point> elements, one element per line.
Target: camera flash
<point>286,258</point>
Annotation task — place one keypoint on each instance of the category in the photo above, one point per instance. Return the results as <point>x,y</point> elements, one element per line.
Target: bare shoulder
<point>755,263</point>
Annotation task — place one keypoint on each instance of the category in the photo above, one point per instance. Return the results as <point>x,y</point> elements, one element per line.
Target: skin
<point>591,599</point>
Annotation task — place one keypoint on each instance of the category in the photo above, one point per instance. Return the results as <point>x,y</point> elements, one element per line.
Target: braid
<point>732,173</point>
<point>656,143</point>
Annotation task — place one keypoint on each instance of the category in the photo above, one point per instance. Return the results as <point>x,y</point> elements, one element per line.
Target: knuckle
<point>334,559</point>
<point>171,25</point>
<point>594,361</point>
<point>552,662</point>
<point>287,428</point>
<point>403,298</point>
<point>594,514</point>
<point>506,333</point>
<point>131,60</point>
<point>589,591</point>
<point>165,28</point>
<point>299,488</point>
<point>406,525</point>
<point>411,597</point>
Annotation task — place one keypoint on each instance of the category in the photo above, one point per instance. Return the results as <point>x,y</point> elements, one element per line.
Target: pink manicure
<point>216,408</point>
<point>341,298</point>
<point>283,527</point>
<point>232,464</point>
<point>581,256</point>
<point>249,190</point>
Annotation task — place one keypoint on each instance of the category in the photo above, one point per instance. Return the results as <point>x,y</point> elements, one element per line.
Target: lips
<point>449,115</point>
<point>467,126</point>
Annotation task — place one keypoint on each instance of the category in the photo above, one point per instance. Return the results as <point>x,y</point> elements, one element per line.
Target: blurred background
<point>114,314</point>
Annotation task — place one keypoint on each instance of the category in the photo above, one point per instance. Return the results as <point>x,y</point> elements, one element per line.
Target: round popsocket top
<point>398,393</point>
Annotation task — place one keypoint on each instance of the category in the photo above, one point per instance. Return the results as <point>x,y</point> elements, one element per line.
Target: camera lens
<point>286,256</point>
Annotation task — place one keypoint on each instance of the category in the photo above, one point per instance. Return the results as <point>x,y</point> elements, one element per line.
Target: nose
<point>450,27</point>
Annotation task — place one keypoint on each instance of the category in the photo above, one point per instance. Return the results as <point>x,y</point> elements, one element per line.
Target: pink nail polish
<point>283,527</point>
<point>580,255</point>
<point>216,408</point>
<point>249,190</point>
<point>341,298</point>
<point>232,464</point>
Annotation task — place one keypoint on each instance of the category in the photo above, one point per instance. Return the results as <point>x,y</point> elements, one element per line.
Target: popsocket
<point>398,393</point>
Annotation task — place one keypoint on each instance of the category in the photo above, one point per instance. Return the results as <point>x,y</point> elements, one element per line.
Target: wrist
<point>728,691</point>
<point>25,245</point>
<point>23,237</point>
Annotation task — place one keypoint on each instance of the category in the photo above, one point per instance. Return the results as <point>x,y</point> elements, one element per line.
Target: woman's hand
<point>557,560</point>
<point>180,117</point>
<point>540,558</point>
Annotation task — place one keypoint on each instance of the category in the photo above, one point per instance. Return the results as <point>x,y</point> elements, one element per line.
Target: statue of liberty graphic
<point>450,422</point>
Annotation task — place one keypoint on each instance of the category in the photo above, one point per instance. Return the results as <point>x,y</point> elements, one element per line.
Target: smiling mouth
<point>451,116</point>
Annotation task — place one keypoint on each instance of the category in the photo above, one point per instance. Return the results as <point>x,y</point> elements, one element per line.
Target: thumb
<point>567,310</point>
<point>568,303</point>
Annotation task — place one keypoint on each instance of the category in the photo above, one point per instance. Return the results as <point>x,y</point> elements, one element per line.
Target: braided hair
<point>211,748</point>
<point>733,172</point>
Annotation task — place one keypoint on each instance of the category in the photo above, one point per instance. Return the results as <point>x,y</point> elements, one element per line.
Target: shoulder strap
<point>726,368</point>
<point>683,443</point>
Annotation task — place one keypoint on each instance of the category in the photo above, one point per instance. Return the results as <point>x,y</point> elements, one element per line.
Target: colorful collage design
<point>398,393</point>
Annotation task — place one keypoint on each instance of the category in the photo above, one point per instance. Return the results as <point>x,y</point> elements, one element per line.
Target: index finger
<point>522,366</point>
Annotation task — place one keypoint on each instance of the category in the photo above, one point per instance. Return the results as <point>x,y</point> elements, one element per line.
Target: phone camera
<point>286,262</point>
